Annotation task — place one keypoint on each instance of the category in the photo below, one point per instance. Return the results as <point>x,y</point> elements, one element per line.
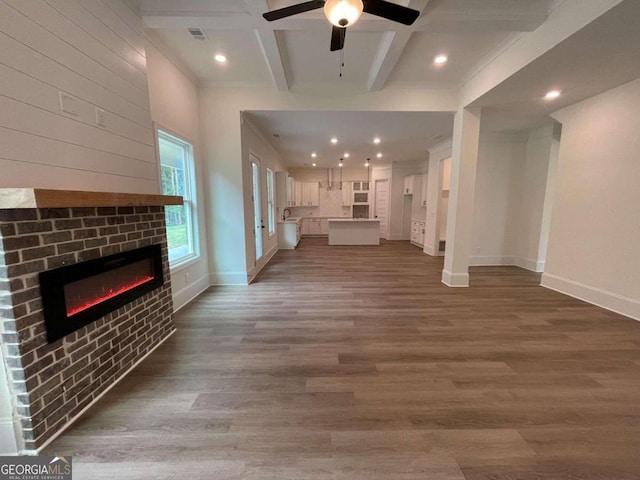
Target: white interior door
<point>258,225</point>
<point>382,206</point>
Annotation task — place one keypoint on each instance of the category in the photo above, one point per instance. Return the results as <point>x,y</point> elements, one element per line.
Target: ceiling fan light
<point>343,13</point>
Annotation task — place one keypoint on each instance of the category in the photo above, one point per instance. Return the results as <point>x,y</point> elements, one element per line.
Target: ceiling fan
<point>344,13</point>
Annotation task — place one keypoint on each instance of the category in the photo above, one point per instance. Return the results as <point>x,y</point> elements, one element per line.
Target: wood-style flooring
<point>356,363</point>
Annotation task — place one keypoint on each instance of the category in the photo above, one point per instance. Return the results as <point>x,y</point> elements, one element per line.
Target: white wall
<point>93,51</point>
<point>537,190</point>
<point>594,244</point>
<point>402,205</point>
<point>174,107</point>
<point>220,124</point>
<point>496,215</point>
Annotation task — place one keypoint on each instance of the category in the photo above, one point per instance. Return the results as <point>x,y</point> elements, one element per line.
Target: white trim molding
<point>455,279</point>
<point>530,264</point>
<point>629,307</point>
<point>190,292</point>
<point>268,256</point>
<point>491,261</point>
<point>228,278</point>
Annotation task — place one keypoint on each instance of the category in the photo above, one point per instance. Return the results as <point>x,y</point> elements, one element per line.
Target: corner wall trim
<point>626,306</point>
<point>530,264</point>
<point>95,400</point>
<point>455,279</point>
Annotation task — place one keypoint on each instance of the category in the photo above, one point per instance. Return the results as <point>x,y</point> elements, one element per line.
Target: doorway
<point>381,211</point>
<point>256,198</point>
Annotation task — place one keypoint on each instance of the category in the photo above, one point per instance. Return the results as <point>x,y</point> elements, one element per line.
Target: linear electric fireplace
<point>76,295</point>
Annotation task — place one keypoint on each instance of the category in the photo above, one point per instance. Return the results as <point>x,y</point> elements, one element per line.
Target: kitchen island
<point>354,231</point>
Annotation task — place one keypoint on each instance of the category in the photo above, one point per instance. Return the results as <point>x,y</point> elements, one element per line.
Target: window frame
<point>271,201</point>
<point>189,198</point>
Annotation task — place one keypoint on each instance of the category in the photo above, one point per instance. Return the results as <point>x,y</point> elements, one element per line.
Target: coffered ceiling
<point>293,53</point>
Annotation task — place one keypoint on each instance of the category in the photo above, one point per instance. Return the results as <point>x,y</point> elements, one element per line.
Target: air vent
<point>198,33</point>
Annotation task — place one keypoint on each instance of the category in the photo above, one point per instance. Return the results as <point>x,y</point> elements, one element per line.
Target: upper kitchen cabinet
<point>310,194</point>
<point>409,182</point>
<point>283,190</point>
<point>347,197</point>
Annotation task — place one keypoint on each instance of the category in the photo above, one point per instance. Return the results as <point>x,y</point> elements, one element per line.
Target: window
<point>177,175</point>
<point>271,203</point>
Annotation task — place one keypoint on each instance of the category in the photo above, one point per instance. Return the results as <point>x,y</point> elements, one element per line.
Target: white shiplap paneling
<point>92,50</point>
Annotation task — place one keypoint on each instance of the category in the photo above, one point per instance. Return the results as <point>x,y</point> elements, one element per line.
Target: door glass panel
<point>257,213</point>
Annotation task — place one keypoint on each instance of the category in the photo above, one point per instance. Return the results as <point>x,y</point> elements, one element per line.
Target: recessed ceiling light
<point>346,155</point>
<point>220,58</point>
<point>379,155</point>
<point>552,94</point>
<point>334,140</point>
<point>440,59</point>
<point>313,164</point>
<point>376,140</point>
<point>313,155</point>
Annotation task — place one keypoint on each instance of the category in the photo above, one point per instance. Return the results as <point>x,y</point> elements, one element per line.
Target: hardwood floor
<point>357,363</point>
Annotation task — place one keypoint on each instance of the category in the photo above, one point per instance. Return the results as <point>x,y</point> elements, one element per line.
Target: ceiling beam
<point>389,51</point>
<point>268,40</point>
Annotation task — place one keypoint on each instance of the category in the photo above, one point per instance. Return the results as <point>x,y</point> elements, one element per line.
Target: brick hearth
<point>52,383</point>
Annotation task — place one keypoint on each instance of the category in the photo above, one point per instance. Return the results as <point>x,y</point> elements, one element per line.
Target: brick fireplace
<point>51,382</point>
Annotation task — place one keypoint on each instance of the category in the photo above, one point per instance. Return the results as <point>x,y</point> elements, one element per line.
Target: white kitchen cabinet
<point>324,226</point>
<point>314,226</point>
<point>297,194</point>
<point>423,192</point>
<point>347,197</point>
<point>290,183</point>
<point>310,194</point>
<point>289,235</point>
<point>409,182</point>
<point>283,190</point>
<point>417,233</point>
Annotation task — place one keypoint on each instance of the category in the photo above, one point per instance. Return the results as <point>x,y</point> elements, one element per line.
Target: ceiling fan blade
<point>391,11</point>
<point>337,38</point>
<point>293,10</point>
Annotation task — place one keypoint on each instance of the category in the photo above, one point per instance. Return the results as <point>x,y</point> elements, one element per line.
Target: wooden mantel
<point>42,198</point>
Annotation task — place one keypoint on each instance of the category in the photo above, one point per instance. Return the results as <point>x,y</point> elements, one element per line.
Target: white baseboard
<point>189,292</point>
<point>490,261</point>
<point>507,260</point>
<point>8,444</point>
<point>530,264</point>
<point>95,400</point>
<point>396,236</point>
<point>228,278</point>
<point>269,255</point>
<point>455,279</point>
<point>629,307</point>
<point>430,250</point>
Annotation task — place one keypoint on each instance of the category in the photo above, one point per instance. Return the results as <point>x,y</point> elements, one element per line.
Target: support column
<point>466,138</point>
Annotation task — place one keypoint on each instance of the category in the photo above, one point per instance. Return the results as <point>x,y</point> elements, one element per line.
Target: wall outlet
<point>67,103</point>
<point>100,118</point>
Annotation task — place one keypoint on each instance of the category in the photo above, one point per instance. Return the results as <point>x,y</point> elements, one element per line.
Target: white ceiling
<point>293,54</point>
<point>377,51</point>
<point>404,135</point>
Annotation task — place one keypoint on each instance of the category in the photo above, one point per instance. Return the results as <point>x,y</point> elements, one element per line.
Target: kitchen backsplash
<point>330,206</point>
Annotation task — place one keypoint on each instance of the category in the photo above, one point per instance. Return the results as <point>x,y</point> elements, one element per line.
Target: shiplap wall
<point>94,51</point>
